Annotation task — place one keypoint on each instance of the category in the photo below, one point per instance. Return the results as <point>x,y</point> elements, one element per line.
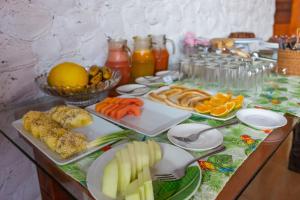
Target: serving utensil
<point>195,136</point>
<point>180,172</point>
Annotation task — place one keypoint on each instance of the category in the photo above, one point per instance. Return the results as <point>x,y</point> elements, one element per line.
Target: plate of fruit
<point>126,171</point>
<point>138,114</point>
<point>221,106</point>
<point>78,85</point>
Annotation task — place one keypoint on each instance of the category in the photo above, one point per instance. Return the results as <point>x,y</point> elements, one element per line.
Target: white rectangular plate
<point>99,127</point>
<point>155,118</point>
<point>228,117</point>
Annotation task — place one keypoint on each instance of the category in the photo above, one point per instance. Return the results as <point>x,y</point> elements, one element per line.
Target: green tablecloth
<point>280,94</point>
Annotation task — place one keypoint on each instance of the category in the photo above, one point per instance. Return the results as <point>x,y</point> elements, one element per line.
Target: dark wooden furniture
<point>287,17</point>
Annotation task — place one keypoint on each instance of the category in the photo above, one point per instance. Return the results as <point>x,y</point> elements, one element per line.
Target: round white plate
<point>261,119</point>
<point>207,140</point>
<point>173,158</point>
<point>133,89</point>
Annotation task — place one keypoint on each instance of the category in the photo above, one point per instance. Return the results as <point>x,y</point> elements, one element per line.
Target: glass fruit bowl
<point>79,96</point>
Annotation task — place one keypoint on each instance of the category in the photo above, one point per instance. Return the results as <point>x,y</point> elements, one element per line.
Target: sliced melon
<point>110,179</point>
<point>133,163</point>
<point>141,186</point>
<point>145,154</point>
<point>132,191</point>
<point>123,170</point>
<point>157,151</point>
<point>138,155</point>
<point>126,169</point>
<point>118,158</point>
<point>151,153</point>
<point>133,196</point>
<point>148,184</point>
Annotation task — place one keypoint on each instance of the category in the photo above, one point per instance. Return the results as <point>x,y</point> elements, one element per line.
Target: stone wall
<point>36,34</point>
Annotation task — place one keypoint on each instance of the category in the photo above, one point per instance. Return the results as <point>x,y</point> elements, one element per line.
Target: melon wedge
<point>138,155</point>
<point>148,184</point>
<point>151,154</point>
<point>141,186</point>
<point>132,191</point>
<point>110,179</point>
<point>126,165</point>
<point>157,151</point>
<point>124,170</point>
<point>145,154</point>
<point>133,161</point>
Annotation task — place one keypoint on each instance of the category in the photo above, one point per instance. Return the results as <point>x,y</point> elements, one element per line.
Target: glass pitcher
<point>142,58</point>
<point>119,58</point>
<point>160,51</point>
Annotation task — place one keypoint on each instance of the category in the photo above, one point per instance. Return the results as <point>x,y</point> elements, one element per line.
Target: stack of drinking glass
<point>224,72</point>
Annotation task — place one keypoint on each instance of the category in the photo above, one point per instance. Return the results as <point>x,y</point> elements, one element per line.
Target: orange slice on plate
<point>207,102</point>
<point>219,111</point>
<point>239,100</point>
<point>202,108</point>
<point>224,96</point>
<point>214,101</point>
<point>230,106</point>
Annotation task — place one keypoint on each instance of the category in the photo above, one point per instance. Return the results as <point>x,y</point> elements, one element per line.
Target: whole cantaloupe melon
<point>68,74</point>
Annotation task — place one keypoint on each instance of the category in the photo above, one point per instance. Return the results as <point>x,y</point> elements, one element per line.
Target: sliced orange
<point>224,96</point>
<point>230,106</point>
<point>214,101</point>
<point>219,111</point>
<point>239,100</point>
<point>202,108</point>
<point>207,102</point>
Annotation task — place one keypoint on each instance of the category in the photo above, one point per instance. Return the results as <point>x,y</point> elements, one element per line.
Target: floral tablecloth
<point>279,94</point>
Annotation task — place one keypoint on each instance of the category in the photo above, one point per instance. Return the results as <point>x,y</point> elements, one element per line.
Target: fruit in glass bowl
<point>78,85</point>
<point>68,74</point>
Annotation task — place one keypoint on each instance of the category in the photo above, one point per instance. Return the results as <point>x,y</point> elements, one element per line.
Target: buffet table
<point>68,181</point>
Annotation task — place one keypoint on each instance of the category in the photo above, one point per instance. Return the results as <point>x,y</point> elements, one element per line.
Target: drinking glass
<point>211,75</point>
<point>185,67</point>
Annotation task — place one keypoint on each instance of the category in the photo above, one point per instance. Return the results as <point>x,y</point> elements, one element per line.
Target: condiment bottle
<point>142,58</point>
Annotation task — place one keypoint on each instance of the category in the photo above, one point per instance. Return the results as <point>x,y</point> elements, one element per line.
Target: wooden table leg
<point>50,189</point>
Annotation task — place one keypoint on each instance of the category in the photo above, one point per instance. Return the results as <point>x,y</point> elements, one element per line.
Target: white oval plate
<point>207,140</point>
<point>172,158</point>
<point>261,119</point>
<point>133,89</point>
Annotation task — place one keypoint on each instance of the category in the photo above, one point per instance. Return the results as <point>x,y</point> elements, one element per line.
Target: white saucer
<point>133,89</point>
<point>174,74</point>
<point>150,81</point>
<point>261,119</point>
<point>207,140</point>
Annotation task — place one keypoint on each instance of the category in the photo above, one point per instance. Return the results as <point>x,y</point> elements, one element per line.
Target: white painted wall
<point>36,34</point>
